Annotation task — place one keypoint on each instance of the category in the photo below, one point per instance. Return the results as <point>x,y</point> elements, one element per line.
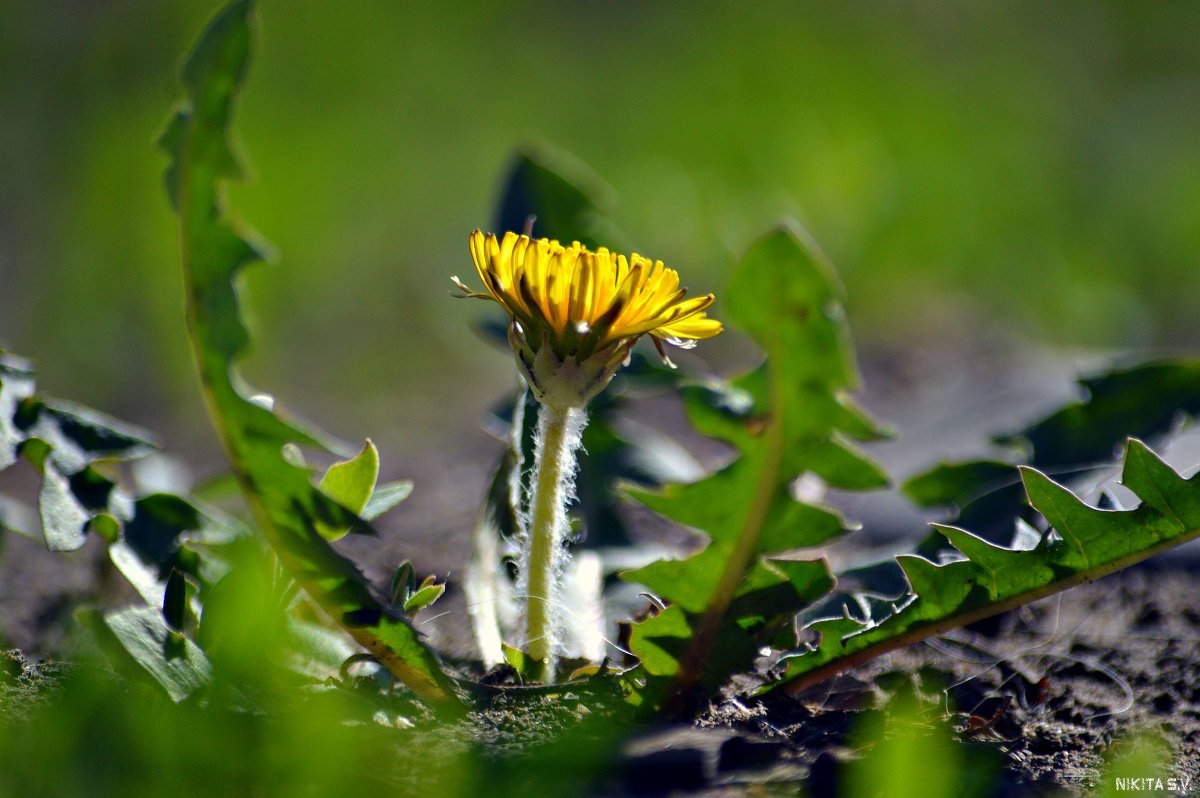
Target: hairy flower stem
<point>558,437</point>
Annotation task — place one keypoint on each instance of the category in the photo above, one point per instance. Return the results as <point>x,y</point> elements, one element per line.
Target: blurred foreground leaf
<point>1142,762</point>
<point>908,750</point>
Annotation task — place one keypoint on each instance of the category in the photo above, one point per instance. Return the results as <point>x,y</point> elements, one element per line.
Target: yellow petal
<point>698,326</point>
<point>579,300</point>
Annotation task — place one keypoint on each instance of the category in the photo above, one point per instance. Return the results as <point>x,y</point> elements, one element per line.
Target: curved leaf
<point>350,483</point>
<point>288,508</point>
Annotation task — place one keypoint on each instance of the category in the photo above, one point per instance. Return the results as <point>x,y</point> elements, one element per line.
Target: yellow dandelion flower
<point>582,307</point>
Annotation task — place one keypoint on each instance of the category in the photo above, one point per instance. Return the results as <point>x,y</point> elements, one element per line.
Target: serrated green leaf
<point>773,589</point>
<point>350,483</point>
<point>288,508</point>
<point>1151,479</point>
<point>932,585</point>
<point>63,441</point>
<point>788,418</point>
<point>1093,537</point>
<point>666,639</point>
<point>689,583</point>
<point>1000,571</point>
<point>787,297</point>
<point>1088,543</point>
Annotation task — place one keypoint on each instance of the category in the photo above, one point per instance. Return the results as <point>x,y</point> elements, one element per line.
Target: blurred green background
<point>1023,165</point>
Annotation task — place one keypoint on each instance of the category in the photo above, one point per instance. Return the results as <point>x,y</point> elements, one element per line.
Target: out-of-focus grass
<point>1039,164</point>
<point>1147,757</point>
<point>909,751</point>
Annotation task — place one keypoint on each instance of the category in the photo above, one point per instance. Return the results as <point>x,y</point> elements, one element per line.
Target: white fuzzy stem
<point>559,432</point>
